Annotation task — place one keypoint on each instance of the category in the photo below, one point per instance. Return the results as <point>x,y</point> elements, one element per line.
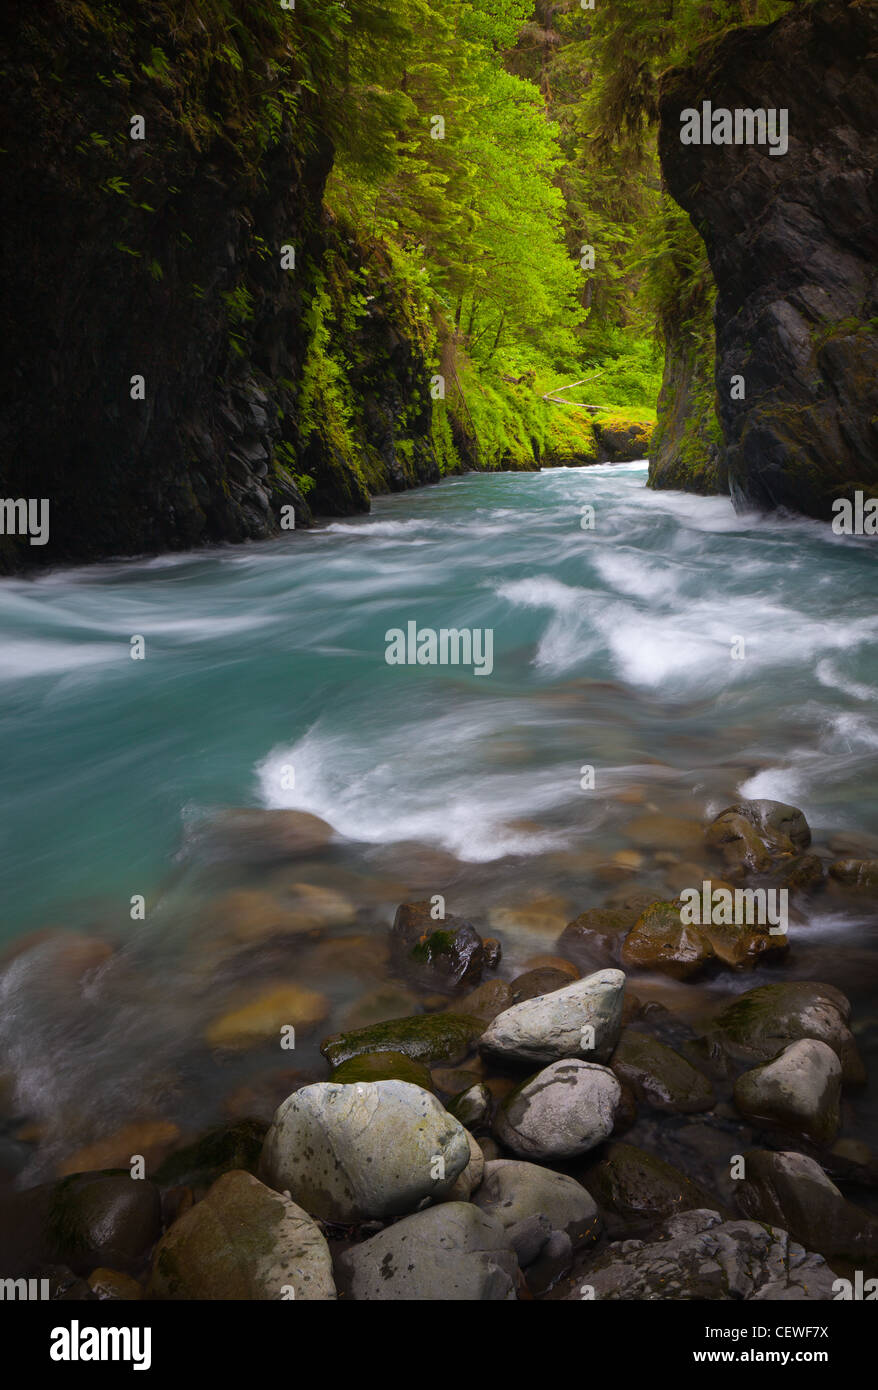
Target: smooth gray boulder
<point>449,1252</point>
<point>472,1106</point>
<point>243,1241</point>
<point>373,1149</point>
<point>564,1110</point>
<point>514,1191</point>
<point>583,1019</point>
<point>700,1256</point>
<point>466,1183</point>
<point>799,1091</point>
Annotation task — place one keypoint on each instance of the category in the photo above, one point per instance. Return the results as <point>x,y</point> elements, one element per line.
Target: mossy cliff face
<point>793,245</point>
<point>686,448</point>
<point>170,258</point>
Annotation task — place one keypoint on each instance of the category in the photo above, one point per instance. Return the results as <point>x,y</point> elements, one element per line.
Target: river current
<point>687,655</point>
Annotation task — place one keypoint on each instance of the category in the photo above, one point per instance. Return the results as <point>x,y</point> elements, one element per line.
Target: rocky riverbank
<point>558,1134</point>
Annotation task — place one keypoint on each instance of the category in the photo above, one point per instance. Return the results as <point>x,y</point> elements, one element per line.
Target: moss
<point>382,1066</point>
<point>445,1037</point>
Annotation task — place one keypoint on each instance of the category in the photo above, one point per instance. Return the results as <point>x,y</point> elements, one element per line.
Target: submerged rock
<point>260,1018</point>
<point>255,835</point>
<point>243,1241</point>
<point>700,1256</point>
<point>370,1150</point>
<point>799,1091</point>
<point>450,1252</point>
<point>445,1037</point>
<point>582,1019</point>
<point>565,1110</point>
<point>755,836</point>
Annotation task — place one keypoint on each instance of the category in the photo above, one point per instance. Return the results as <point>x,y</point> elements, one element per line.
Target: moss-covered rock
<point>444,1037</point>
<point>759,1024</point>
<point>383,1066</point>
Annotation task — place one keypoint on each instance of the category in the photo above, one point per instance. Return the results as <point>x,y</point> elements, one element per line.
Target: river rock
<point>388,1001</point>
<point>700,1256</point>
<point>639,1188</point>
<point>113,1284</point>
<point>375,1149</point>
<point>858,874</point>
<point>755,836</point>
<point>443,1037</point>
<point>563,1111</point>
<point>759,1024</point>
<point>799,1091</point>
<point>740,946</point>
<point>466,1182</point>
<point>259,836</point>
<point>582,1019</point>
<point>595,936</point>
<point>659,940</point>
<point>513,1192</point>
<point>472,1106</point>
<point>83,1221</point>
<point>251,915</point>
<point>220,1150</point>
<point>804,876</point>
<point>665,832</point>
<point>243,1241</point>
<point>450,1252</point>
<point>791,1190</point>
<point>152,1139</point>
<point>536,982</point>
<point>444,954</point>
<point>552,963</point>
<point>383,1066</point>
<point>660,1077</point>
<point>259,1018</point>
<point>487,1001</point>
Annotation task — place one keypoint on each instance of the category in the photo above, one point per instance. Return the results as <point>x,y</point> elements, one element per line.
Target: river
<point>689,655</point>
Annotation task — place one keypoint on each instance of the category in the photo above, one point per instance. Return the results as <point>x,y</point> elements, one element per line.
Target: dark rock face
<point>686,447</point>
<point>793,245</point>
<point>162,258</point>
<point>621,441</point>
